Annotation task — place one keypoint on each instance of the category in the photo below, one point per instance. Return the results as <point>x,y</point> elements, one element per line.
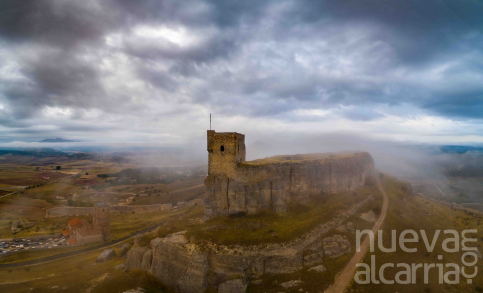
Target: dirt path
<point>164,193</point>
<point>343,279</point>
<point>184,189</point>
<point>438,188</point>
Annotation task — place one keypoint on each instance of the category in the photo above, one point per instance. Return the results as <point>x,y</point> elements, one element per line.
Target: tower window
<point>222,148</point>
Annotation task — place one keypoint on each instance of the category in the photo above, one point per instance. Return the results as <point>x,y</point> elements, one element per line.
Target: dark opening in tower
<point>222,148</point>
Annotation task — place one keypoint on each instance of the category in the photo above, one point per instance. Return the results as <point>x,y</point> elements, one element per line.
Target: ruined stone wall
<point>141,209</point>
<point>68,211</point>
<point>76,211</point>
<point>251,188</point>
<point>90,239</point>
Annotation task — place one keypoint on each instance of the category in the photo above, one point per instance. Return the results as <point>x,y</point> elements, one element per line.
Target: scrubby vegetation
<point>269,227</point>
<point>406,211</point>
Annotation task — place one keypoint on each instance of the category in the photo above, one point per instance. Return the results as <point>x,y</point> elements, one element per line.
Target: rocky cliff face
<point>184,267</point>
<point>252,188</point>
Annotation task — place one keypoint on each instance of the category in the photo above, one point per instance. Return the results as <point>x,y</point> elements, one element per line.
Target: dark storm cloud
<point>248,58</point>
<point>417,29</point>
<point>61,23</point>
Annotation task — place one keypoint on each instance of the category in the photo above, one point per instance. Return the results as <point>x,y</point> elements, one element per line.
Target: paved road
<point>343,279</point>
<point>67,254</point>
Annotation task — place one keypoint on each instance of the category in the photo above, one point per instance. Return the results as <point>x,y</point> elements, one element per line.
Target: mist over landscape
<point>204,146</point>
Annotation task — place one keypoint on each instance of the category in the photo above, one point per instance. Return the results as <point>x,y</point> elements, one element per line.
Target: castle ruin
<point>234,185</point>
<point>101,219</point>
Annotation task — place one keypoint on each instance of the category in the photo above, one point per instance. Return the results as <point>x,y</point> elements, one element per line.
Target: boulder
<point>291,284</point>
<point>369,216</point>
<point>341,228</point>
<point>336,246</point>
<point>147,259</point>
<point>135,257</point>
<point>233,286</point>
<point>106,255</point>
<point>120,267</point>
<point>124,249</point>
<point>313,253</point>
<point>319,268</point>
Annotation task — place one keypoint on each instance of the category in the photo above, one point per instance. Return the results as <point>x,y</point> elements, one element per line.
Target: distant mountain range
<point>460,149</point>
<point>56,140</point>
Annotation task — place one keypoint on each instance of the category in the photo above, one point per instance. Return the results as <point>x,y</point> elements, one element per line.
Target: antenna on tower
<point>210,121</point>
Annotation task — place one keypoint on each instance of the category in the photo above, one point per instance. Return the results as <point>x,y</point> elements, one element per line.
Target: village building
<point>80,232</point>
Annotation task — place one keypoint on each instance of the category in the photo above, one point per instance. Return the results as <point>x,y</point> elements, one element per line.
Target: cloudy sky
<point>152,71</point>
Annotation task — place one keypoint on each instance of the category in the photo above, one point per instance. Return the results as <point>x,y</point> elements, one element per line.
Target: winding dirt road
<point>343,279</point>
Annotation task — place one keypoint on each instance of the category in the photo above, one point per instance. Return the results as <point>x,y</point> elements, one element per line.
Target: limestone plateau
<point>234,185</point>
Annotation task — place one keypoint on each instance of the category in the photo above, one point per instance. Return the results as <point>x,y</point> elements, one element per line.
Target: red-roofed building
<point>79,231</point>
<point>71,241</point>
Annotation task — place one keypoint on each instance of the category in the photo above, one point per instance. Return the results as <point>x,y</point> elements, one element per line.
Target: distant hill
<point>56,140</point>
<point>460,149</point>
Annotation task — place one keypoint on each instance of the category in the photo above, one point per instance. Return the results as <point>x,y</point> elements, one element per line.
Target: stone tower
<point>101,219</point>
<point>225,151</point>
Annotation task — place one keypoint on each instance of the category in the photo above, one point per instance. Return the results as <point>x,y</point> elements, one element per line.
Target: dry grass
<point>172,197</point>
<point>76,274</point>
<point>300,219</point>
<point>299,157</point>
<point>413,212</point>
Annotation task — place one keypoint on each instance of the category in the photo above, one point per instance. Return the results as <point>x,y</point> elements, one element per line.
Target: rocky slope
<point>186,267</point>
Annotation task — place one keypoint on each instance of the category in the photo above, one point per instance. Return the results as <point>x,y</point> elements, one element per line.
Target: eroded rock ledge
<point>250,188</point>
<point>186,267</point>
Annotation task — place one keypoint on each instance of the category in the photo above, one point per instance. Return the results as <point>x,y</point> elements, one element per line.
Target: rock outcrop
<point>233,286</point>
<point>336,246</point>
<point>185,267</point>
<point>106,255</point>
<point>233,185</point>
<point>124,249</point>
<point>135,257</point>
<point>369,216</point>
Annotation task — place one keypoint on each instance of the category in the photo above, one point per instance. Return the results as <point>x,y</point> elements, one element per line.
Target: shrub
<point>238,215</point>
<point>376,210</point>
<point>298,208</point>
